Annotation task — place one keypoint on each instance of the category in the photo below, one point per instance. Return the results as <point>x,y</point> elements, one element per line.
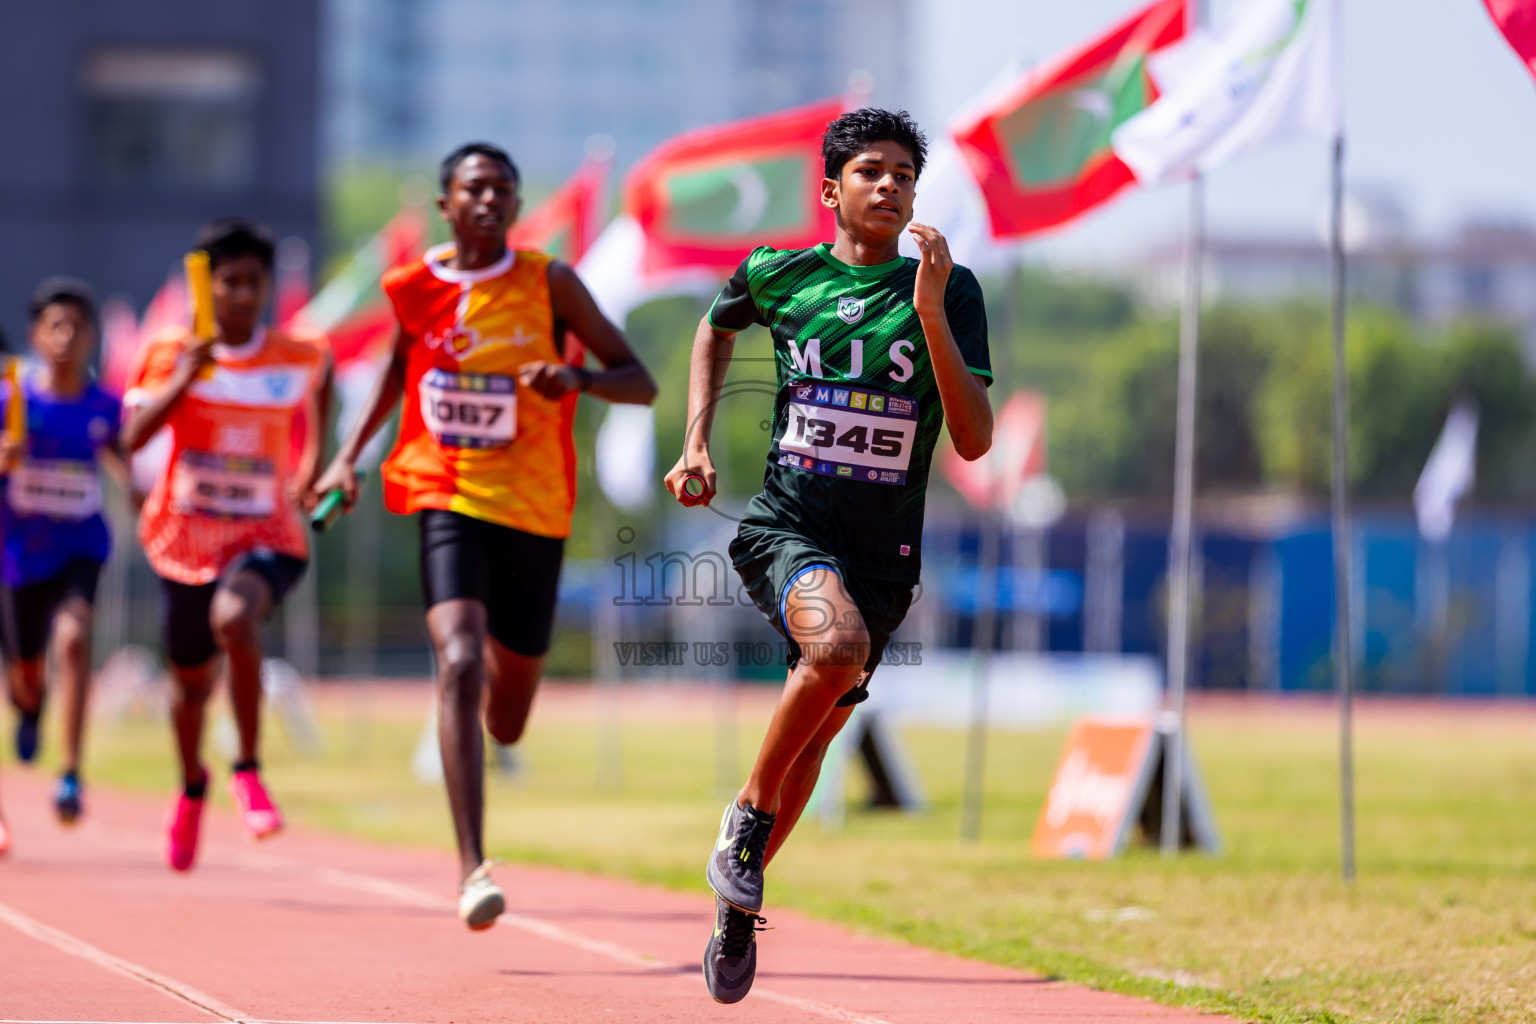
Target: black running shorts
<point>769,561</point>
<point>186,626</point>
<point>516,575</point>
<point>28,610</point>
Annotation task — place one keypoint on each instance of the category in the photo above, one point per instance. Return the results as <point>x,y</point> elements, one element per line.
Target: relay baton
<point>200,293</point>
<point>330,509</point>
<point>693,485</point>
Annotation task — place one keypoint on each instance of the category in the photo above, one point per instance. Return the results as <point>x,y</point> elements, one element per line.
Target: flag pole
<point>1170,831</point>
<point>1343,656</point>
<point>1183,523</point>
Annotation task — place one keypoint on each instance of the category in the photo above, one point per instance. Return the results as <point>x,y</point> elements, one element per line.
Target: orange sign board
<point>1098,784</point>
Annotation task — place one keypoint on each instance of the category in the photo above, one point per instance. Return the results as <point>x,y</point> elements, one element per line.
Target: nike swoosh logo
<point>723,841</point>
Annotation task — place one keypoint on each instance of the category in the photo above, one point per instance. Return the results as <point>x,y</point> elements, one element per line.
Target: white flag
<point>949,199</point>
<point>614,272</point>
<point>1449,473</point>
<point>1271,73</point>
<point>626,456</point>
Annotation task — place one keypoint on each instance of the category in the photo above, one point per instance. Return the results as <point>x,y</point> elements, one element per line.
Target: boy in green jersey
<point>874,353</point>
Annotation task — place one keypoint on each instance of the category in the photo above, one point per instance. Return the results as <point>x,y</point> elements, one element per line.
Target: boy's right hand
<point>199,352</point>
<point>339,475</point>
<point>10,452</point>
<point>690,464</point>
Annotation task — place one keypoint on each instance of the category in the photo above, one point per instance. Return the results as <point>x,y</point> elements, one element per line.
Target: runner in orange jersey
<point>222,527</point>
<point>485,461</point>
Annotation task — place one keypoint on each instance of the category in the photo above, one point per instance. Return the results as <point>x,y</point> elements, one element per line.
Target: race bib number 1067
<point>469,410</point>
<point>849,432</point>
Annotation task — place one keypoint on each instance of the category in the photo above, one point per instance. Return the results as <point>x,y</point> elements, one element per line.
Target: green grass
<point>1441,925</point>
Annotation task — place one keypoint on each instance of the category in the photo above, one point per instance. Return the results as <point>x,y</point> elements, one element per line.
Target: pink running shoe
<point>257,812</point>
<point>181,828</point>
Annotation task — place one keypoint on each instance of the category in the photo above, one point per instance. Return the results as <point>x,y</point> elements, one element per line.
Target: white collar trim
<point>240,353</point>
<point>435,256</point>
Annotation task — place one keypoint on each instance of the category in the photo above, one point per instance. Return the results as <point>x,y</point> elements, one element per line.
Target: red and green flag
<point>707,198</point>
<point>1041,151</point>
<point>351,310</point>
<point>565,224</point>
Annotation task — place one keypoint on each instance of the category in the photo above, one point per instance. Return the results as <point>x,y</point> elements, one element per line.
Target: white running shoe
<point>480,899</point>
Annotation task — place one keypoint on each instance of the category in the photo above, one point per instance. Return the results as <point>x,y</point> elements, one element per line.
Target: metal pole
<point>607,627</point>
<point>985,629</point>
<point>1183,521</point>
<point>1343,652</point>
<point>984,624</point>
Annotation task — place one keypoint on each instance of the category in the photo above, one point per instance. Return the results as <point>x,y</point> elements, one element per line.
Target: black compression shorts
<point>516,575</point>
<point>770,561</point>
<point>28,609</point>
<point>185,625</point>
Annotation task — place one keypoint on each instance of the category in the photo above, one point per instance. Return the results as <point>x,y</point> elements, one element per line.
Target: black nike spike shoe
<point>730,958</point>
<point>735,870</point>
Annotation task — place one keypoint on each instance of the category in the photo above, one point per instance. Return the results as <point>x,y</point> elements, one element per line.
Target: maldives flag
<point>1517,20</point>
<point>351,309</point>
<point>565,224</point>
<point>354,314</point>
<point>707,198</point>
<point>1041,151</point>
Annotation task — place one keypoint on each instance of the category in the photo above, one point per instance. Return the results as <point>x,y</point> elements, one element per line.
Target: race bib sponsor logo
<point>57,488</point>
<point>469,410</point>
<point>211,484</point>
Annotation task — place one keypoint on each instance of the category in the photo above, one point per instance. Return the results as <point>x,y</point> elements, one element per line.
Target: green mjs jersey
<point>857,413</point>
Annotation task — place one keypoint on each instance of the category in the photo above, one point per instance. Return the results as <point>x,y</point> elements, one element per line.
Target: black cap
<point>63,289</point>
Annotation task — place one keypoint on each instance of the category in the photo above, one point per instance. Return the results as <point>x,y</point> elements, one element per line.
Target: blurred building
<point>1486,269</point>
<point>410,79</point>
<point>129,125</point>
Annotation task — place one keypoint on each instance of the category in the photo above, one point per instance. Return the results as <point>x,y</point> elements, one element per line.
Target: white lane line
<point>67,943</point>
<point>410,895</point>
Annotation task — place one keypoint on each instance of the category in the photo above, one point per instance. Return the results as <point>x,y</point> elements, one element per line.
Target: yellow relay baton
<point>200,293</point>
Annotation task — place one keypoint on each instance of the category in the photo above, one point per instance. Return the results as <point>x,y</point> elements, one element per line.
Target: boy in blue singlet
<point>55,538</point>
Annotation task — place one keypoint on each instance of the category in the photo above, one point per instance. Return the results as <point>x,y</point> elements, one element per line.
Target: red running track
<point>311,927</point>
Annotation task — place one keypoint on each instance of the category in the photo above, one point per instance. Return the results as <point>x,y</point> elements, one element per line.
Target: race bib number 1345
<point>849,432</point>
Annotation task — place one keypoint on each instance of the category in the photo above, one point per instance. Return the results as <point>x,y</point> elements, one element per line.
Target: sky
<point>1438,112</point>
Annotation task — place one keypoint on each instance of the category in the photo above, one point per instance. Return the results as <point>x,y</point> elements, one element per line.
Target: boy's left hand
<point>10,452</point>
<point>550,380</point>
<point>932,269</point>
